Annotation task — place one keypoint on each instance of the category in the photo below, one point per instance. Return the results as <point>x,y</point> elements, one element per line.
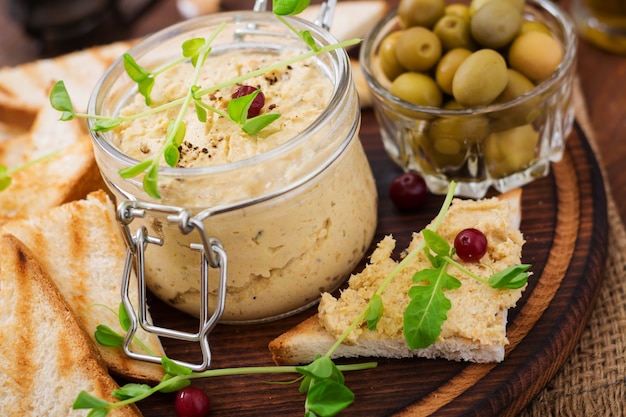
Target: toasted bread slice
<point>24,88</point>
<point>68,175</point>
<point>475,329</point>
<point>47,359</point>
<point>80,246</point>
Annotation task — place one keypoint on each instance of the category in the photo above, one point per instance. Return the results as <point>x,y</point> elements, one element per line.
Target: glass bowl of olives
<point>478,93</point>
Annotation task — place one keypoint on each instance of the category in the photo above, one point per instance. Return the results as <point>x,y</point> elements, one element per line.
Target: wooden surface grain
<point>564,223</point>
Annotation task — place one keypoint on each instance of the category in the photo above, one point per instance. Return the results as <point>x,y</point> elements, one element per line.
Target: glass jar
<point>294,220</point>
<point>602,22</point>
<point>500,145</point>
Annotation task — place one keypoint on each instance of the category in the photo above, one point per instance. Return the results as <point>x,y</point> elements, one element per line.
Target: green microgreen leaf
<point>177,385</point>
<point>104,125</point>
<point>108,337</point>
<point>151,181</point>
<point>174,368</point>
<point>511,278</point>
<point>98,412</point>
<point>428,308</point>
<point>328,398</point>
<point>85,400</point>
<point>289,7</point>
<point>143,77</point>
<point>321,368</point>
<point>308,39</point>
<point>5,177</point>
<point>60,100</point>
<point>135,170</point>
<point>258,123</point>
<point>171,154</point>
<point>124,319</point>
<point>238,107</point>
<point>192,48</point>
<point>374,311</point>
<point>131,390</point>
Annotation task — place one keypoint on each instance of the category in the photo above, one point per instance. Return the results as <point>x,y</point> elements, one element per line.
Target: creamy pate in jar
<point>293,206</point>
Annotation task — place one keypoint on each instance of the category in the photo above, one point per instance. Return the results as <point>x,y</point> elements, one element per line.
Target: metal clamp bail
<point>324,19</point>
<point>213,256</point>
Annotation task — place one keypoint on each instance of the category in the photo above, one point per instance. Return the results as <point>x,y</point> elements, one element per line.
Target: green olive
<point>447,66</point>
<point>510,151</point>
<point>496,24</point>
<point>418,49</point>
<point>521,113</point>
<point>477,4</point>
<point>535,54</point>
<point>417,88</point>
<point>466,129</point>
<point>389,63</point>
<point>454,32</point>
<point>480,78</point>
<point>457,9</point>
<point>420,12</point>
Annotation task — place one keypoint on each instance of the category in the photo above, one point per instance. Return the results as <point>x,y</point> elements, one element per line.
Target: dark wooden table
<point>603,77</point>
<point>604,86</point>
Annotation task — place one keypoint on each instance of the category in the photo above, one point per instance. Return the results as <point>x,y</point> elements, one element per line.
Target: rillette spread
<point>282,252</point>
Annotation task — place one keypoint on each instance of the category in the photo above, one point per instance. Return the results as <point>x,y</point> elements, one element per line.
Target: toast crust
<point>47,357</point>
<point>80,246</point>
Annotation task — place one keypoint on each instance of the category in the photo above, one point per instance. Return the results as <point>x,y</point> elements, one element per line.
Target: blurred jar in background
<point>65,25</point>
<point>602,22</point>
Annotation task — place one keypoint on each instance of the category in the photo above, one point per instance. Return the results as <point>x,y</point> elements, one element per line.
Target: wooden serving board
<point>564,221</point>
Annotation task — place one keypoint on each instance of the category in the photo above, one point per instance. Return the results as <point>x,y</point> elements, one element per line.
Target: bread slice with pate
<point>475,329</point>
<point>79,244</point>
<point>47,359</point>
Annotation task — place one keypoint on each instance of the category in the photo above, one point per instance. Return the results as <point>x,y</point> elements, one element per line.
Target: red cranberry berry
<point>258,102</point>
<point>470,245</point>
<point>408,191</point>
<point>192,402</point>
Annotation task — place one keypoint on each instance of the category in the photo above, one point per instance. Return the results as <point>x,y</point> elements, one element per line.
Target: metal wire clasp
<point>324,19</point>
<point>213,256</point>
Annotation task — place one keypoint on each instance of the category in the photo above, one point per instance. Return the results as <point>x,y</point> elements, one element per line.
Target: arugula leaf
<point>428,308</point>
<point>511,278</point>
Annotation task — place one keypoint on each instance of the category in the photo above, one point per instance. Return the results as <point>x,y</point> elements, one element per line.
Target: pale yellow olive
<point>534,26</point>
<point>480,78</point>
<point>510,151</point>
<point>447,66</point>
<point>496,24</point>
<point>420,12</point>
<point>535,54</point>
<point>389,63</point>
<point>417,88</point>
<point>466,129</point>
